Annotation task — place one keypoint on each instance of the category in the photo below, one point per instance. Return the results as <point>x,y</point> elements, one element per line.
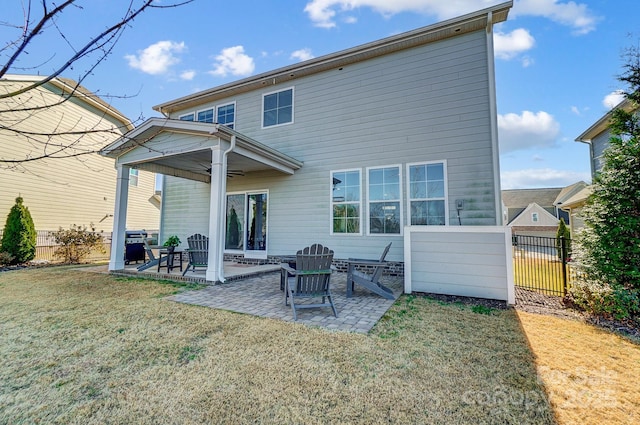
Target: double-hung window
<point>346,195</point>
<point>226,115</point>
<point>206,115</point>
<point>187,117</point>
<point>427,194</point>
<point>384,195</point>
<point>277,108</point>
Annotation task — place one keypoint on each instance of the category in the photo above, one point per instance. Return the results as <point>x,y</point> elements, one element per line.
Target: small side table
<point>170,259</point>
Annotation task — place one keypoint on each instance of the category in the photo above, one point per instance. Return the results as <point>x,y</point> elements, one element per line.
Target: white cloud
<point>323,13</point>
<point>541,177</point>
<point>187,75</point>
<point>612,100</point>
<point>572,14</point>
<point>528,130</point>
<point>576,110</point>
<point>302,54</point>
<point>508,46</point>
<point>234,61</point>
<point>157,58</point>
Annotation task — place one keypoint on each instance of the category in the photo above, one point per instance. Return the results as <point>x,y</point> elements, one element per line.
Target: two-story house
<point>597,137</point>
<point>345,149</point>
<point>66,124</point>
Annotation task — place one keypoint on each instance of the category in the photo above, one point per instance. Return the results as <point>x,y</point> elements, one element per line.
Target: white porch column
<point>215,268</point>
<point>120,219</point>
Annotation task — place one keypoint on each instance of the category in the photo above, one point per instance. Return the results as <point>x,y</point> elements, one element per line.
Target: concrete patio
<point>255,289</point>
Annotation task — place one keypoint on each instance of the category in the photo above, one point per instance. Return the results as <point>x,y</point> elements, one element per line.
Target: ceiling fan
<point>230,173</point>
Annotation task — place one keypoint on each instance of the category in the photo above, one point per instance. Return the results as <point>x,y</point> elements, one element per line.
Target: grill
<point>134,246</point>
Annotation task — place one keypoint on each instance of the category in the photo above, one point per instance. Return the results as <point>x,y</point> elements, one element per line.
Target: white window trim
<point>535,217</point>
<point>235,112</point>
<point>293,107</point>
<point>134,172</point>
<point>244,203</point>
<point>260,255</point>
<point>331,203</point>
<point>399,200</point>
<point>213,114</point>
<point>446,188</point>
<point>193,114</point>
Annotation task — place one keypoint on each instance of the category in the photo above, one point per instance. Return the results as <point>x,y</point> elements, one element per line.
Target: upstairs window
<point>534,217</point>
<point>206,115</point>
<point>187,117</point>
<point>277,108</point>
<point>227,115</point>
<point>133,177</point>
<point>384,200</point>
<point>427,193</point>
<point>345,202</point>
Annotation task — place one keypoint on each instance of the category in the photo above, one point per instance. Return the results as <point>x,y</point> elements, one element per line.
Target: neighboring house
<point>345,149</point>
<point>77,190</point>
<point>537,212</point>
<point>597,137</point>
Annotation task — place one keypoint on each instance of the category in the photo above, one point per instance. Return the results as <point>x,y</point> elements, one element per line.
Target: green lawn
<point>84,348</point>
<point>538,274</point>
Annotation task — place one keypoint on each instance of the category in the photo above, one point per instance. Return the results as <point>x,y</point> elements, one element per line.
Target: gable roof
<point>568,192</point>
<point>602,124</point>
<point>545,218</point>
<point>522,198</point>
<point>450,28</point>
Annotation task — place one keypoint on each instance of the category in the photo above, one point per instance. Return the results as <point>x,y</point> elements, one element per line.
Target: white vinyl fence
<point>472,261</point>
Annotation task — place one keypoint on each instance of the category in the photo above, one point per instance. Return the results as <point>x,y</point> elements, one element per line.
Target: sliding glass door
<point>246,228</point>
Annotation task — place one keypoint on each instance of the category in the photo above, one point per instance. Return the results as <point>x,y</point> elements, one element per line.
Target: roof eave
<point>438,31</point>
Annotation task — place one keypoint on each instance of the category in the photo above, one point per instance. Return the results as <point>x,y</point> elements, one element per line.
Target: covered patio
<point>198,151</point>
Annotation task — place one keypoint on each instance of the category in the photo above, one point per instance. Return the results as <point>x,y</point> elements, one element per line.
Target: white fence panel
<point>472,261</point>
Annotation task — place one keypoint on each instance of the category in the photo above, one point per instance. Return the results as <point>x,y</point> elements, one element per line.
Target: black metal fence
<point>542,264</point>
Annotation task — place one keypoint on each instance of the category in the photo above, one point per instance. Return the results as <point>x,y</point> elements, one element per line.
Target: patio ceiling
<point>183,149</point>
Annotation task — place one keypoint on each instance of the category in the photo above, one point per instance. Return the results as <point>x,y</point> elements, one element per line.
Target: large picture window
<point>427,194</point>
<point>277,108</point>
<point>385,215</point>
<point>346,202</point>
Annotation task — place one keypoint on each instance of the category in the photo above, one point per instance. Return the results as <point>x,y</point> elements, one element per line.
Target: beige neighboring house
<point>537,212</point>
<point>78,190</point>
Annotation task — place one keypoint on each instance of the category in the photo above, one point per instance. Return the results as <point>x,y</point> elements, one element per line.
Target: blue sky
<point>556,60</point>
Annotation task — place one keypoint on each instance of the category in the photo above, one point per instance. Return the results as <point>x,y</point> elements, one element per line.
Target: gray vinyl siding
<point>189,208</point>
<point>429,103</point>
<point>599,144</point>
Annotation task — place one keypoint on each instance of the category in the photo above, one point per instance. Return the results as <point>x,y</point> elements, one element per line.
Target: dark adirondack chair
<point>369,281</point>
<point>310,279</point>
<point>198,252</point>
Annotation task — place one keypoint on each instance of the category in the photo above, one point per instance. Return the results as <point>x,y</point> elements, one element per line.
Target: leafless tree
<point>46,20</point>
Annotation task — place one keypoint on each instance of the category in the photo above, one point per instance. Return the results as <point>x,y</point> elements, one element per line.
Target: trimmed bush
<point>77,243</point>
<point>19,236</point>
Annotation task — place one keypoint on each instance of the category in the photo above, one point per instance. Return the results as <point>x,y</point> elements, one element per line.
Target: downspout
<point>493,112</point>
<point>222,202</point>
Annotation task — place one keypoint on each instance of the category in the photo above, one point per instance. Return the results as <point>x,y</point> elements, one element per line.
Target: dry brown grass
<point>591,375</point>
<point>86,348</point>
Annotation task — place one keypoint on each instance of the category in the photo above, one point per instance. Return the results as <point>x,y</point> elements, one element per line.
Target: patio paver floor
<point>261,296</point>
